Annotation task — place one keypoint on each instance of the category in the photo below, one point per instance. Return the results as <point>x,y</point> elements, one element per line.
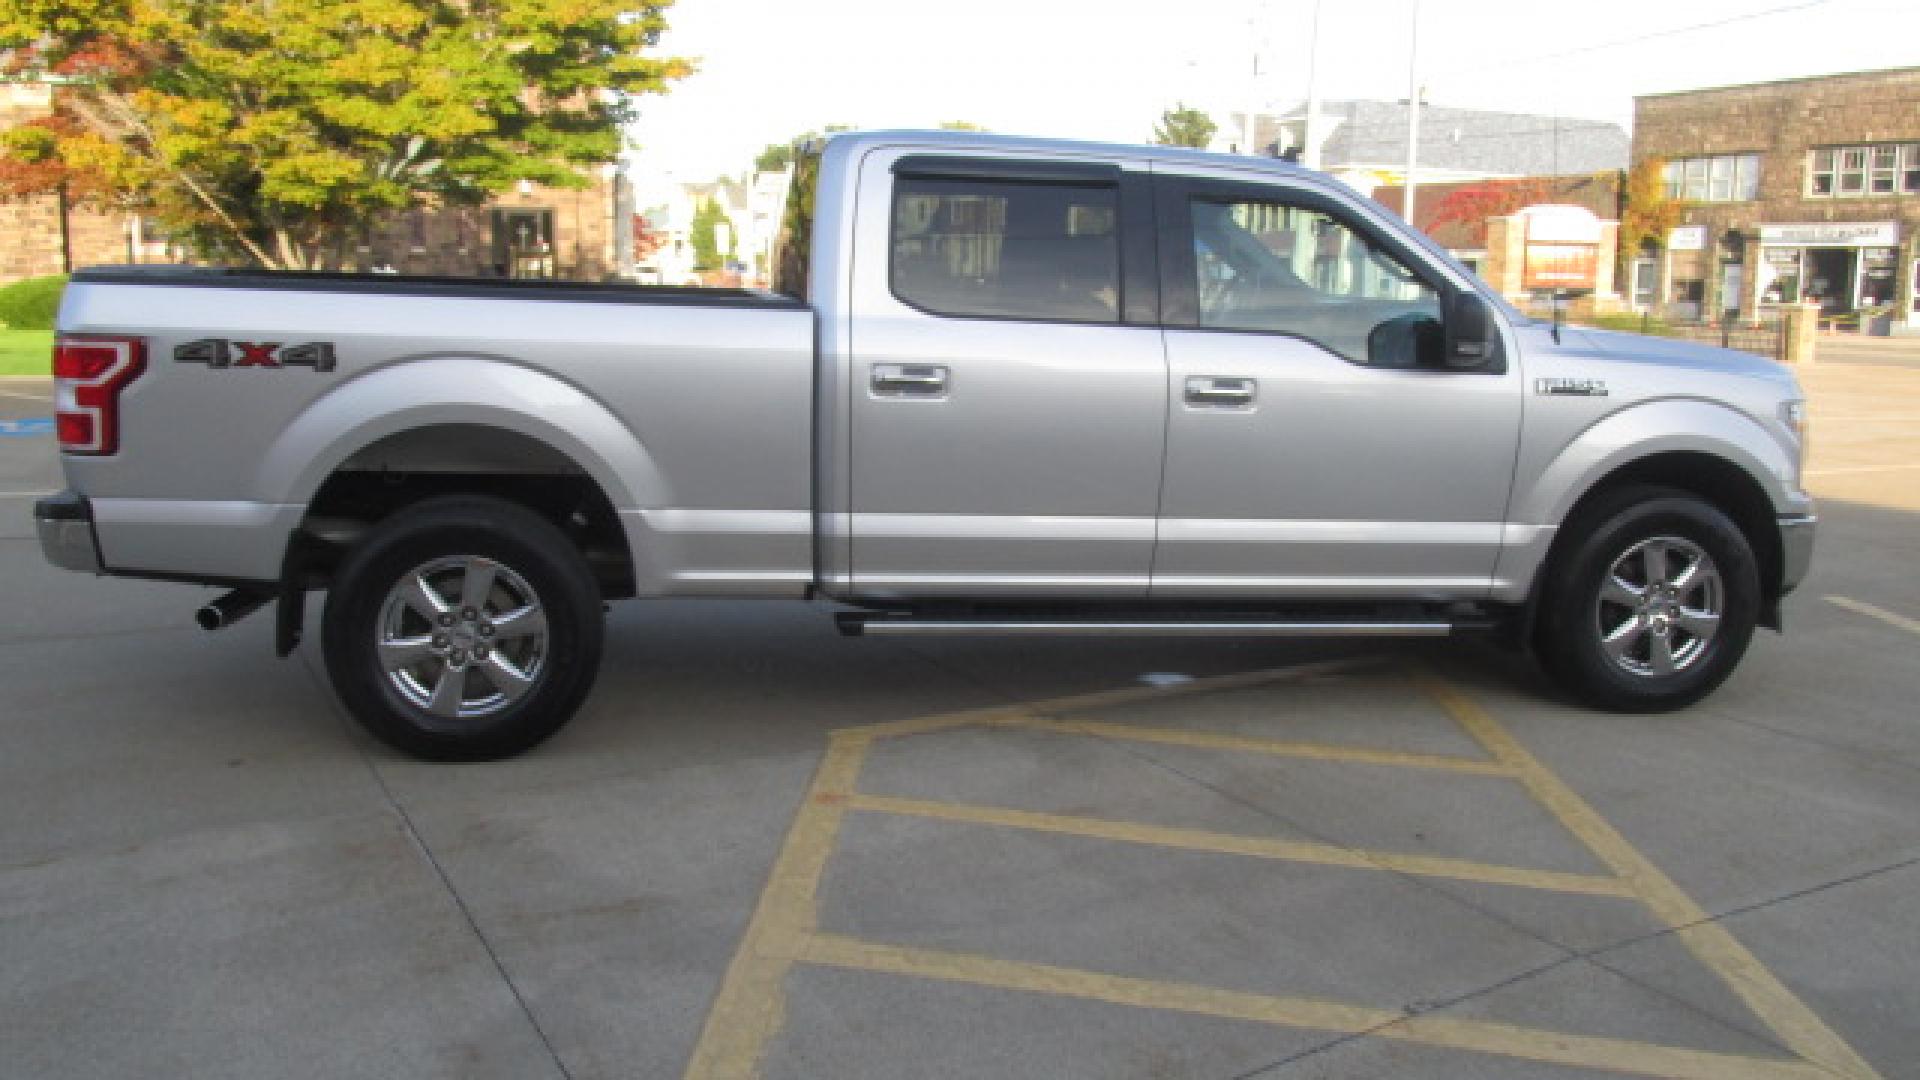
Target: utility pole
<point>1413,113</point>
<point>1310,127</point>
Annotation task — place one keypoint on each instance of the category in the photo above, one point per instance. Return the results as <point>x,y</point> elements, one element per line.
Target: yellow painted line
<point>1506,1040</point>
<point>1259,847</point>
<point>1797,1026</point>
<point>751,1004</point>
<point>1911,626</point>
<point>1208,740</point>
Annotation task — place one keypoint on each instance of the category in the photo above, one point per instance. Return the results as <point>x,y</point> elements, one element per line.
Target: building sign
<point>1561,266</point>
<point>1833,234</point>
<point>1563,248</point>
<point>1688,238</point>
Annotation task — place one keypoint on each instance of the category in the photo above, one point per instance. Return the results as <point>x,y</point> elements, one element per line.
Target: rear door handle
<point>917,381</point>
<point>1215,392</point>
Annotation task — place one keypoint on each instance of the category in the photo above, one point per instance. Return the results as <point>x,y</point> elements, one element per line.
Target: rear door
<point>1008,406</point>
<point>1316,446</point>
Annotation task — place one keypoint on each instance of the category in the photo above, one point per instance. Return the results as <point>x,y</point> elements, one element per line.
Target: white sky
<point>1104,69</point>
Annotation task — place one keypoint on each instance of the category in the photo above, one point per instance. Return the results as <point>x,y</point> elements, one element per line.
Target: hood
<point>1674,352</point>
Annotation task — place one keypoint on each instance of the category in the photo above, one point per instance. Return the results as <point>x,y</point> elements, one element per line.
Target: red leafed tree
<point>646,239</point>
<point>1476,203</point>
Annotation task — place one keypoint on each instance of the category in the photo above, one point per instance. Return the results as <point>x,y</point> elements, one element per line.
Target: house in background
<point>1364,143</point>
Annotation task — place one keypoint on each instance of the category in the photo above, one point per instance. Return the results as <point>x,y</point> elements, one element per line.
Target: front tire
<point>463,629</point>
<point>1652,603</point>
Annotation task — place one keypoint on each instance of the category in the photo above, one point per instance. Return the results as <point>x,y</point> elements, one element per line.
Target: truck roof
<point>856,141</point>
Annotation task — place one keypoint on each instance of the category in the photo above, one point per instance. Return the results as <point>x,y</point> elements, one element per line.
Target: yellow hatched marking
<point>1776,1006</point>
<point>751,1005</point>
<point>1259,847</point>
<point>1911,626</point>
<point>1532,1044</point>
<point>1208,740</point>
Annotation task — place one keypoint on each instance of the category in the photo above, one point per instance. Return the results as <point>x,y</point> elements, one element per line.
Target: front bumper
<point>1796,550</point>
<point>66,532</point>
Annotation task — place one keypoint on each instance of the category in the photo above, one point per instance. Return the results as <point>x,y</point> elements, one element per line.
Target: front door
<point>1314,445</point>
<point>1007,423</point>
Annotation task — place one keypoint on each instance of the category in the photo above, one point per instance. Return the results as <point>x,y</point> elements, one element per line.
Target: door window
<point>1290,270</point>
<point>1007,250</point>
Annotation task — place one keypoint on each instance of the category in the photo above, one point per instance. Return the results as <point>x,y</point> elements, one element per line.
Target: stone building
<point>1801,190</point>
<point>531,232</point>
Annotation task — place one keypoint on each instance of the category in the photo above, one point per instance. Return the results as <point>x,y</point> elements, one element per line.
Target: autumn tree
<point>1475,203</point>
<point>1647,215</point>
<point>1183,126</point>
<point>960,125</point>
<point>282,132</point>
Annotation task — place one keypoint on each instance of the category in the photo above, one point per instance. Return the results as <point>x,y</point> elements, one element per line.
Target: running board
<point>859,624</point>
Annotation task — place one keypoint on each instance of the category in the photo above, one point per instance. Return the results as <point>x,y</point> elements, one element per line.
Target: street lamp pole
<point>1413,113</point>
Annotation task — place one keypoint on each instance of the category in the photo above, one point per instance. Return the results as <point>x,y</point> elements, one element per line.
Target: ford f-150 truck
<point>998,385</point>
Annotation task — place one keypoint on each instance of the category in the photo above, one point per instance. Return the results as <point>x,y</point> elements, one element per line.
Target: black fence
<point>1762,338</point>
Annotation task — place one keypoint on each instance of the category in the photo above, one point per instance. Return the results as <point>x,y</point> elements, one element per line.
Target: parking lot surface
<point>764,850</point>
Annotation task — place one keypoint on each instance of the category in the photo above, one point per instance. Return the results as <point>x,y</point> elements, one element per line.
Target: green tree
<point>1182,126</point>
<point>705,236</point>
<point>778,156</point>
<point>282,132</point>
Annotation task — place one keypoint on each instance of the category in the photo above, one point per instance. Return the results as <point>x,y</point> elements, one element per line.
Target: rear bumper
<point>1796,550</point>
<point>67,538</point>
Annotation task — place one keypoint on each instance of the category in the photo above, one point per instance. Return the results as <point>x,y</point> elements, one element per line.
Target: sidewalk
<point>1856,349</point>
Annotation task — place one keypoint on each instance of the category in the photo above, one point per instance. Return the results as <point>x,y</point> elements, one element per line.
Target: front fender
<point>1672,425</point>
<point>1542,502</point>
<point>483,391</point>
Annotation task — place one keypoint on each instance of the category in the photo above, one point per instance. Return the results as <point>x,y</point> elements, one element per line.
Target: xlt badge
<point>1562,387</point>
<point>221,353</point>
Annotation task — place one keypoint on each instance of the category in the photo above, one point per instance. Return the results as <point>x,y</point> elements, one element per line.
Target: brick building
<point>534,231</point>
<point>1802,190</point>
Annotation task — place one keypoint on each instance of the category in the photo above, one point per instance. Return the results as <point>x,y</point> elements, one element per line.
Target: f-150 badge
<point>221,353</point>
<point>1570,387</point>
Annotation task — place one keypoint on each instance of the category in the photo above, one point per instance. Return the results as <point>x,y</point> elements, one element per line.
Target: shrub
<point>31,303</point>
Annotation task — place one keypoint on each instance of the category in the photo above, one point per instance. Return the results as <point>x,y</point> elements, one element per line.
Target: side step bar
<point>862,624</point>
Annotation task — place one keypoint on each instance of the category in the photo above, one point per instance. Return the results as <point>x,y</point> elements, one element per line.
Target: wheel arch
<point>449,425</point>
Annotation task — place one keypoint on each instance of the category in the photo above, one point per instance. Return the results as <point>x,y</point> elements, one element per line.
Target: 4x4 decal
<point>221,353</point>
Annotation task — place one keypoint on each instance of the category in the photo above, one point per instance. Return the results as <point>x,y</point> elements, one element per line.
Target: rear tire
<point>1651,602</point>
<point>463,629</point>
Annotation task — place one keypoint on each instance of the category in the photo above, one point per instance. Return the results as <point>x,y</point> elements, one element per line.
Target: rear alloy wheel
<point>463,628</point>
<point>1652,605</point>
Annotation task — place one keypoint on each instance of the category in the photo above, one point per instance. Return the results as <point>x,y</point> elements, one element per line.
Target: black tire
<point>513,668</point>
<point>1640,649</point>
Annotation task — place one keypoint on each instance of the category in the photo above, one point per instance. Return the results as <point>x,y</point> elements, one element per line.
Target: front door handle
<point>1214,392</point>
<point>918,381</point>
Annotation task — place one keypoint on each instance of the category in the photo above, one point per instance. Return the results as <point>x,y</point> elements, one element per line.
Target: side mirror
<point>1473,333</point>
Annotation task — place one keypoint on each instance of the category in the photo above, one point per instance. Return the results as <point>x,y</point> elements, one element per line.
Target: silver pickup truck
<point>999,386</point>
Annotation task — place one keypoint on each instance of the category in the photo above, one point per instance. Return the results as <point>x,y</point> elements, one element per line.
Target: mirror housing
<point>1473,334</point>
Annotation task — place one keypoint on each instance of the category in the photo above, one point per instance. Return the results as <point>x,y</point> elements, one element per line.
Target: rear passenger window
<point>1006,250</point>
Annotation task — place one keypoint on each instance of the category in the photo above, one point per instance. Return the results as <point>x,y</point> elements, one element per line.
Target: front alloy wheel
<point>1660,606</point>
<point>1650,602</point>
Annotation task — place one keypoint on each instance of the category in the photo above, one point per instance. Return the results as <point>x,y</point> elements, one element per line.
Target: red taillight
<point>89,372</point>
